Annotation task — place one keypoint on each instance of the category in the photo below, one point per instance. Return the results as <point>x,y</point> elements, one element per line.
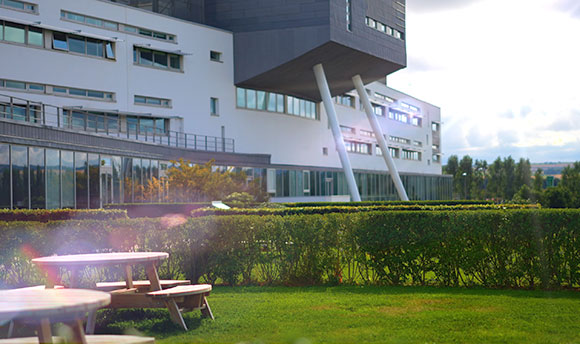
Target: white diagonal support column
<point>360,88</point>
<point>333,120</point>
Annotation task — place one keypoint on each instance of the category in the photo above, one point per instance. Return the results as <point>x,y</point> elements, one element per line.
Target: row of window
<point>108,122</point>
<point>365,148</point>
<point>411,155</point>
<point>19,5</point>
<point>405,118</point>
<point>357,147</point>
<point>111,25</point>
<point>56,90</point>
<point>352,131</point>
<point>274,102</point>
<point>371,186</point>
<point>348,15</point>
<point>158,59</point>
<point>34,36</point>
<point>153,101</point>
<point>384,28</point>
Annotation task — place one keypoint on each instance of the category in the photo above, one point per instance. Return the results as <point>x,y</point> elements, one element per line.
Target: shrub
<point>528,248</point>
<point>136,210</point>
<point>45,215</point>
<point>385,203</point>
<point>350,209</point>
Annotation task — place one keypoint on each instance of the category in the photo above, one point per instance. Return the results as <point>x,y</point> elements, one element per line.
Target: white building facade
<point>141,80</point>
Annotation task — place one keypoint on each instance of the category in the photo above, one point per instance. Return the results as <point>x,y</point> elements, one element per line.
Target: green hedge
<point>136,210</point>
<point>528,248</point>
<point>349,209</point>
<point>373,203</point>
<point>45,215</point>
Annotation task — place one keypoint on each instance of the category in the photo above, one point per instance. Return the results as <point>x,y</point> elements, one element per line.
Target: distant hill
<point>551,168</point>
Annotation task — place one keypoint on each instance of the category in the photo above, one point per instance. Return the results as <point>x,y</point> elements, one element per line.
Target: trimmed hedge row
<point>351,209</point>
<point>529,248</point>
<point>372,203</point>
<point>136,210</point>
<point>45,215</point>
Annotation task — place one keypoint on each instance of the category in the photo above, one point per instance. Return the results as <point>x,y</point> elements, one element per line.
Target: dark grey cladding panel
<point>32,135</point>
<point>277,42</point>
<point>340,64</point>
<point>364,38</point>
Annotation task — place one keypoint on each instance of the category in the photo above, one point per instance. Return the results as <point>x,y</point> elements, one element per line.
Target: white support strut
<point>360,88</point>
<point>333,120</point>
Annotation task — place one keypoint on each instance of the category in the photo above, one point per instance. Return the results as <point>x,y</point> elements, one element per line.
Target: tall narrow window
<point>348,15</point>
<point>213,107</point>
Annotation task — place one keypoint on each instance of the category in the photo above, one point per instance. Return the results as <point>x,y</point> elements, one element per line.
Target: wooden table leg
<point>128,276</point>
<point>74,278</point>
<point>78,332</point>
<point>206,311</point>
<point>175,314</point>
<point>151,271</point>
<point>44,332</point>
<point>91,322</point>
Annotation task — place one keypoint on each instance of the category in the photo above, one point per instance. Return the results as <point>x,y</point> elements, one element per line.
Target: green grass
<point>366,315</point>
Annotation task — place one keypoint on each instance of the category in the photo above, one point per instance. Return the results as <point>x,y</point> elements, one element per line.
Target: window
<point>158,59</point>
<point>411,155</point>
<point>435,147</point>
<point>436,158</point>
<point>384,97</point>
<point>306,181</point>
<point>366,133</point>
<point>434,126</point>
<point>274,102</point>
<point>384,28</point>
<point>83,45</point>
<point>110,25</point>
<point>345,100</point>
<point>398,116</point>
<point>19,5</point>
<point>347,130</point>
<point>215,56</point>
<point>348,15</point>
<point>392,150</point>
<point>378,109</point>
<point>357,147</point>
<point>324,150</point>
<point>417,121</point>
<point>35,36</point>
<point>400,140</point>
<point>143,100</point>
<point>417,143</point>
<point>15,33</point>
<point>213,106</point>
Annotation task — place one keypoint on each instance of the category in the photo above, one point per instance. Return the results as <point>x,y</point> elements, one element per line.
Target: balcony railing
<point>109,124</point>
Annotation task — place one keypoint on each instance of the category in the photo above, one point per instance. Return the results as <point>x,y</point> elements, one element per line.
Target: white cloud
<point>503,73</point>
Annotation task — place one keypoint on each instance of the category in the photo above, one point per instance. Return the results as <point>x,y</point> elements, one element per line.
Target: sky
<point>505,73</point>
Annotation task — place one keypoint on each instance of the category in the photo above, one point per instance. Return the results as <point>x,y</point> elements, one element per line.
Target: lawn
<point>366,315</point>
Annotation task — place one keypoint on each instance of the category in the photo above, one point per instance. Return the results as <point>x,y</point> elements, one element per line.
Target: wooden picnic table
<point>40,306</point>
<point>132,295</point>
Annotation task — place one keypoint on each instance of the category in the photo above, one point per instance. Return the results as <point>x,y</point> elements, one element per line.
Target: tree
<point>571,182</point>
<point>479,180</point>
<point>451,168</point>
<point>523,173</point>
<point>204,182</point>
<point>539,180</point>
<point>465,173</point>
<point>508,178</point>
<point>494,184</point>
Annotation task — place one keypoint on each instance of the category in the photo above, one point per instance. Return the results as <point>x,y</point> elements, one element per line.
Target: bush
<point>384,203</point>
<point>528,248</point>
<point>557,197</point>
<point>351,209</point>
<point>45,215</point>
<point>136,210</point>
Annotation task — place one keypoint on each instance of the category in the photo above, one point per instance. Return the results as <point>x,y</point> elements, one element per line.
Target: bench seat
<point>110,286</point>
<point>182,290</point>
<point>91,339</point>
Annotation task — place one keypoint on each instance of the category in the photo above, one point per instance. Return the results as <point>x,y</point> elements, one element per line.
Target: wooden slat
<point>101,259</point>
<point>108,286</point>
<point>182,290</point>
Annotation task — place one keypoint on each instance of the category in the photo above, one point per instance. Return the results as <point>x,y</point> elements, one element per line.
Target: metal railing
<point>109,124</point>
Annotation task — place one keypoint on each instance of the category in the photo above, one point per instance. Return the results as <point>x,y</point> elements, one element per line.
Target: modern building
<point>98,96</point>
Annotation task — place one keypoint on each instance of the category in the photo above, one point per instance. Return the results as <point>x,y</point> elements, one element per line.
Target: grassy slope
<point>367,315</point>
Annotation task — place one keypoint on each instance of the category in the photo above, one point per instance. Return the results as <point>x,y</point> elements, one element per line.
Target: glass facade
<point>35,177</point>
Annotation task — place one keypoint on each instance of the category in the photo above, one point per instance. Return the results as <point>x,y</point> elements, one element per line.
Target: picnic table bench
<point>130,293</point>
<point>39,307</point>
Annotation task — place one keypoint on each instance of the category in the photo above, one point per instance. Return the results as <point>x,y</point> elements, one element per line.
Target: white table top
<point>101,259</point>
<point>44,303</point>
